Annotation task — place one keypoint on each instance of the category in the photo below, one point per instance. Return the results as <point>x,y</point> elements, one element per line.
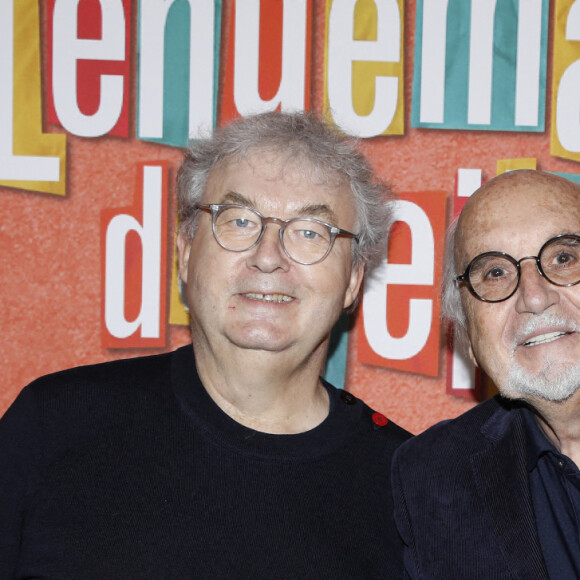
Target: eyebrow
<point>317,210</point>
<point>237,198</point>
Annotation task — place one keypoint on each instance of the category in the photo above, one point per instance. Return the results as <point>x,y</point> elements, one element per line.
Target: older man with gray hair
<point>231,457</point>
<point>495,493</point>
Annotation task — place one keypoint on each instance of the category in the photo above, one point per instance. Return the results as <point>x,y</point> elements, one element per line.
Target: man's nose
<point>268,255</point>
<point>535,293</point>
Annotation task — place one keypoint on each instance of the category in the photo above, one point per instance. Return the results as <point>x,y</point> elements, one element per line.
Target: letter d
<point>123,277</point>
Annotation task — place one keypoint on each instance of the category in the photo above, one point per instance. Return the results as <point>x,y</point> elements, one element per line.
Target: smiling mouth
<point>278,298</point>
<point>544,338</point>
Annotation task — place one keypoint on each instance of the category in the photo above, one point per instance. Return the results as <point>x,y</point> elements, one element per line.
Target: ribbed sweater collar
<point>329,436</point>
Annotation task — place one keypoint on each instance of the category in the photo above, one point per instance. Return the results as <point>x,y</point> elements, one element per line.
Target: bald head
<point>509,203</point>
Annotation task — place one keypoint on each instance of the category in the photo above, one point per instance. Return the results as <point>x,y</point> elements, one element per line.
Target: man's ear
<point>472,355</point>
<point>356,278</point>
<point>183,249</point>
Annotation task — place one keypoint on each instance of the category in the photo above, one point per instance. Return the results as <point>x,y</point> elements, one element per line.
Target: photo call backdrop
<point>99,97</point>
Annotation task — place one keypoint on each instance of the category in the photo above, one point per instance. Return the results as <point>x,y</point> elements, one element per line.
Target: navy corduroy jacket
<point>462,499</point>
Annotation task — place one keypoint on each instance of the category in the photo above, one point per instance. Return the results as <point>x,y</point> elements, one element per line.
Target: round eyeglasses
<point>495,276</point>
<point>305,240</point>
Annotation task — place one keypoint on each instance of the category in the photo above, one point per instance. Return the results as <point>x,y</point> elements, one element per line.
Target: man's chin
<point>260,341</point>
<point>555,383</point>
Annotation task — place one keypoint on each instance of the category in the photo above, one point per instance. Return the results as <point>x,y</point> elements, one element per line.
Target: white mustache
<point>549,321</point>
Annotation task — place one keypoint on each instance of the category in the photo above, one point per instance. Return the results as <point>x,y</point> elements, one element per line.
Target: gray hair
<point>302,136</point>
<point>451,305</point>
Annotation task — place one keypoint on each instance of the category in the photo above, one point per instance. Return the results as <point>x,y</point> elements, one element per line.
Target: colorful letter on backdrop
<point>179,48</point>
<point>565,134</point>
<point>363,79</point>
<point>399,317</point>
<point>29,158</point>
<point>480,64</point>
<point>269,56</point>
<point>88,66</point>
<point>133,251</point>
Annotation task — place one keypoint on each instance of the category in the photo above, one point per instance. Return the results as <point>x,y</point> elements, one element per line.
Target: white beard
<point>556,381</point>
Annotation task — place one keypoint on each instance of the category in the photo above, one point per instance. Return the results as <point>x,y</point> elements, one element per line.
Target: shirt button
<point>379,419</point>
<point>348,398</point>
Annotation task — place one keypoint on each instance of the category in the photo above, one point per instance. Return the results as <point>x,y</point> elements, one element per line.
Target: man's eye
<point>495,273</point>
<point>564,258</point>
<point>242,223</point>
<point>308,234</point>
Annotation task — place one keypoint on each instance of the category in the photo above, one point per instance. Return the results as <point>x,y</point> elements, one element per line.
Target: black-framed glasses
<point>305,240</point>
<point>495,276</point>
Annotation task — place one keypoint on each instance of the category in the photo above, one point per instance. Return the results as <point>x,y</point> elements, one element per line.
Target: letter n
<point>133,265</point>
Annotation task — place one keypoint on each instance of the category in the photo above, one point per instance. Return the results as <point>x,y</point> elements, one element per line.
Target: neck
<point>560,422</point>
<point>263,390</point>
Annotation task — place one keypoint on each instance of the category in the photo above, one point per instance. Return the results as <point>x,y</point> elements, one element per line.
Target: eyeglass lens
<point>305,240</point>
<point>495,277</point>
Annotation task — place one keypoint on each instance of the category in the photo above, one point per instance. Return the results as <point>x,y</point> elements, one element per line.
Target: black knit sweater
<point>128,470</point>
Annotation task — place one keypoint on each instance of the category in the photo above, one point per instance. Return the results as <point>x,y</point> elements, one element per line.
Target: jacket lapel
<point>501,477</point>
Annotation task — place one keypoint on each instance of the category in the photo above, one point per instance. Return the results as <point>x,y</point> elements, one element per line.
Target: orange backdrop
<point>50,248</point>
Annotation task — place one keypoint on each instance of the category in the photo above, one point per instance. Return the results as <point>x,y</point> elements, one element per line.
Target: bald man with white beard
<point>495,493</point>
